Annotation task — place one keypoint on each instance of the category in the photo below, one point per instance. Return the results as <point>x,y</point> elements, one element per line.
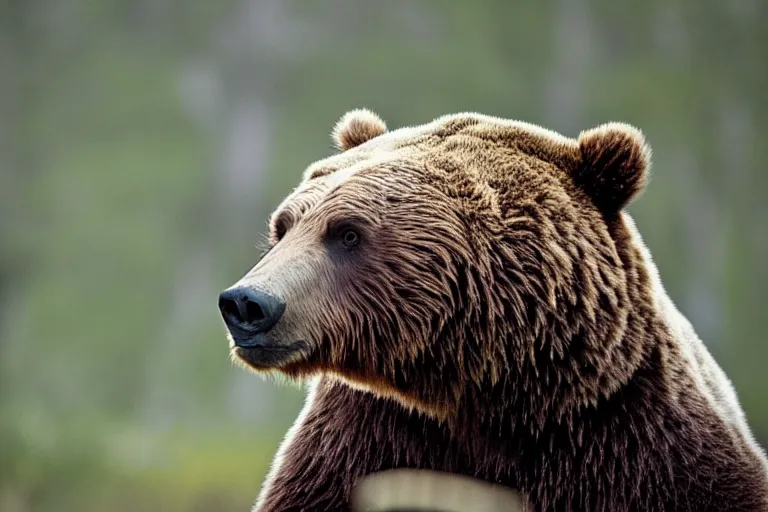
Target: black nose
<point>250,310</point>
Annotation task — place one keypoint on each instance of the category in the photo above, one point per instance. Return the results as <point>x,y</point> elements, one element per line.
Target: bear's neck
<point>531,402</point>
<point>575,359</point>
<point>547,361</point>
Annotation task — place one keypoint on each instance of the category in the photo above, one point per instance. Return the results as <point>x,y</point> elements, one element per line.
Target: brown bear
<point>470,296</point>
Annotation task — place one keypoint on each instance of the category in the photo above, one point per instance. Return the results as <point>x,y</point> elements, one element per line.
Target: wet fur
<point>504,321</point>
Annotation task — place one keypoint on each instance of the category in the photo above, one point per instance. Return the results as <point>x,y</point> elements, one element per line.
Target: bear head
<point>428,261</point>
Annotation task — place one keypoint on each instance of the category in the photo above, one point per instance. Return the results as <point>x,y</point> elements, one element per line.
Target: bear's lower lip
<point>243,340</point>
<point>264,355</point>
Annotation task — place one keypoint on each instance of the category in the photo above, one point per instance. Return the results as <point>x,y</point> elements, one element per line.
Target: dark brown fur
<point>498,320</point>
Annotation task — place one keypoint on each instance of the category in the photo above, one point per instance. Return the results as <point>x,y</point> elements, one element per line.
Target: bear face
<point>429,262</point>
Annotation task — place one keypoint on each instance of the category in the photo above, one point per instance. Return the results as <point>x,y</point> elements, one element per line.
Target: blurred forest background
<point>144,142</point>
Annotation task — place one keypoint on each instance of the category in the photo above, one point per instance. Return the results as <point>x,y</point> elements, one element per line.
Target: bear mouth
<point>266,355</point>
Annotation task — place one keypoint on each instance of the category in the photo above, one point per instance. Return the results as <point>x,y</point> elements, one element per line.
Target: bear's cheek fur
<point>372,325</point>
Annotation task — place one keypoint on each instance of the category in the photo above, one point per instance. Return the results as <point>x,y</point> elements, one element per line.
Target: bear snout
<point>248,312</point>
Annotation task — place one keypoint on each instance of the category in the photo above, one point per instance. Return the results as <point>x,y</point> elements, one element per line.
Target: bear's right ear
<point>615,161</point>
<point>356,127</point>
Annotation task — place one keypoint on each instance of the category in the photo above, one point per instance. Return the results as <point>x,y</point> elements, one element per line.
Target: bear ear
<point>615,161</point>
<point>356,127</point>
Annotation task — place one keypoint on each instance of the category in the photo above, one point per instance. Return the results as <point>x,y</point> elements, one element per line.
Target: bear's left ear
<point>356,127</point>
<point>615,161</point>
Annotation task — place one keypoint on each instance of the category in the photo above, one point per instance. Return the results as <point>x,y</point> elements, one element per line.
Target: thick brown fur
<point>499,318</point>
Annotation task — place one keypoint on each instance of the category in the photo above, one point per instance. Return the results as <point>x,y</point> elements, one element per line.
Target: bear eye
<point>280,231</point>
<point>348,233</point>
<point>350,238</point>
<point>280,227</point>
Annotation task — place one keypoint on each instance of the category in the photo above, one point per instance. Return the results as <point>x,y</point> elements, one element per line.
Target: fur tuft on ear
<point>615,161</point>
<point>356,127</point>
